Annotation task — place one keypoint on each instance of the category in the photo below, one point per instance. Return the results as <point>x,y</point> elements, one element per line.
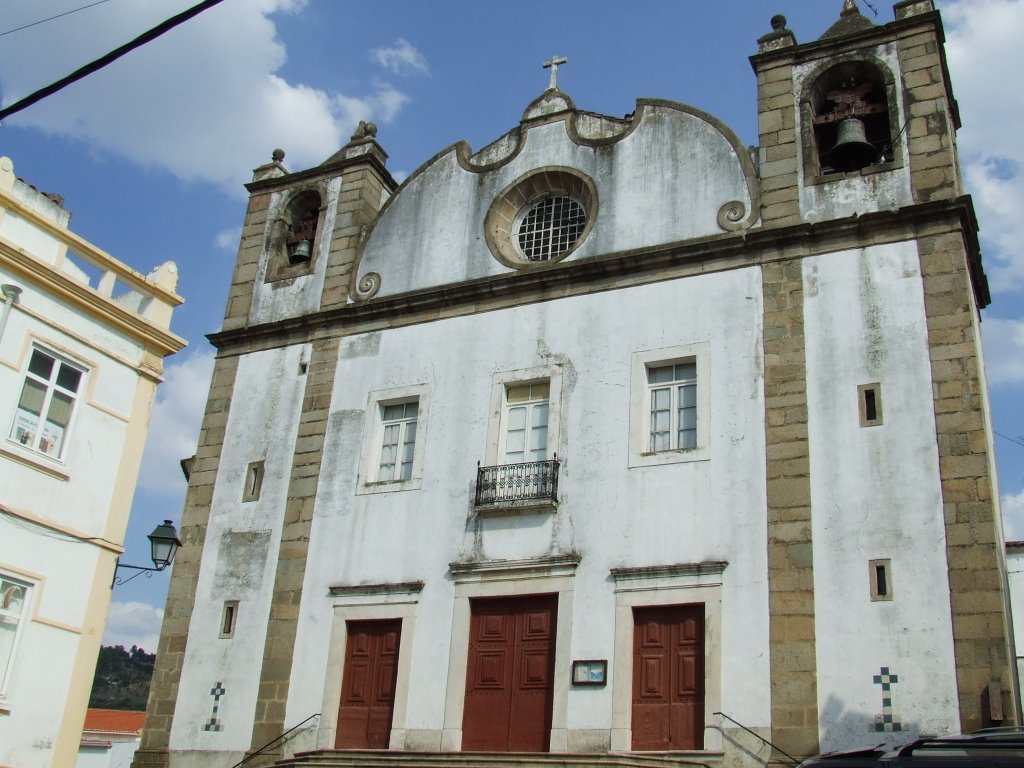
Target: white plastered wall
<point>875,493</point>
<point>609,514</point>
<point>240,555</point>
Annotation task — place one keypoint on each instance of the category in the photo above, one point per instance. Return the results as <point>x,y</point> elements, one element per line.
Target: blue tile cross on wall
<point>886,722</point>
<point>213,723</point>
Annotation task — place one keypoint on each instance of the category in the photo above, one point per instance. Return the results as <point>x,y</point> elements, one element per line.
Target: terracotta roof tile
<point>114,720</point>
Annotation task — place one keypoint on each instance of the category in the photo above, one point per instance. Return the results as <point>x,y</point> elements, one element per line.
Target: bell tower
<point>862,119</point>
<point>857,153</point>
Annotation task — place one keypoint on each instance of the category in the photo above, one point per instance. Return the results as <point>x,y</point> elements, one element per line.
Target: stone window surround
<point>682,584</point>
<point>521,195</point>
<point>639,405</point>
<point>499,381</point>
<point>371,602</point>
<point>373,435</point>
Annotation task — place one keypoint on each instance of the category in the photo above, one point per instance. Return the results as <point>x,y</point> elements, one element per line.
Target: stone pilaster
<point>973,533</point>
<point>250,247</point>
<point>932,117</point>
<point>170,655</point>
<point>279,647</point>
<point>794,707</point>
<point>358,204</point>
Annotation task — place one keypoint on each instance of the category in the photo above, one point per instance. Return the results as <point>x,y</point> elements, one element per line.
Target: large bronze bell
<point>303,251</point>
<point>852,151</point>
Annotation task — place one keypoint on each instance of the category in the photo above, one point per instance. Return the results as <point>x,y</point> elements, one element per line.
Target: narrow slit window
<point>253,481</point>
<point>228,618</point>
<point>881,579</point>
<point>870,397</point>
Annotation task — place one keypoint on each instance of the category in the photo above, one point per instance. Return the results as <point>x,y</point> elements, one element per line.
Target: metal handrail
<point>528,480</point>
<point>273,741</point>
<point>758,736</point>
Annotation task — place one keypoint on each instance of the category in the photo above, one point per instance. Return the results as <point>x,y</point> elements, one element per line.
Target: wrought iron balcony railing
<point>518,484</point>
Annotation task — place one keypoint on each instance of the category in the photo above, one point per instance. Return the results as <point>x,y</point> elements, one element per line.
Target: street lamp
<point>163,542</point>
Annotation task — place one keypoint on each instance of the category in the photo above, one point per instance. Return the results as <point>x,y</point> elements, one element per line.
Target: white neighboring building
<point>614,436</point>
<point>82,342</point>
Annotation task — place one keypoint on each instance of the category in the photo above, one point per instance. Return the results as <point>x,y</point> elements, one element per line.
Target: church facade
<point>614,436</point>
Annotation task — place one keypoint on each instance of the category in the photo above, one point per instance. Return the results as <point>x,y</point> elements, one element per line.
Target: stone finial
<point>850,20</point>
<point>779,37</point>
<point>273,169</point>
<point>364,131</point>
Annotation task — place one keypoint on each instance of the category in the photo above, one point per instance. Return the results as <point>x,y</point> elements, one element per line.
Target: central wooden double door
<point>509,677</point>
<point>668,677</point>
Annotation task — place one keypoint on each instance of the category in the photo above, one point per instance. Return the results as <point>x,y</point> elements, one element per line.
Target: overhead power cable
<point>51,18</point>
<point>109,58</point>
<point>1011,439</point>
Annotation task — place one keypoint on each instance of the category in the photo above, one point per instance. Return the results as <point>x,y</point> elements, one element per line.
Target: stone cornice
<point>334,168</point>
<point>730,250</point>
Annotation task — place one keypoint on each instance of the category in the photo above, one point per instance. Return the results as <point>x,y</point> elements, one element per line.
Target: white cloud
<point>203,102</point>
<point>1013,516</point>
<point>401,59</point>
<point>175,422</point>
<point>983,39</point>
<point>133,623</point>
<point>1004,350</point>
<point>227,239</point>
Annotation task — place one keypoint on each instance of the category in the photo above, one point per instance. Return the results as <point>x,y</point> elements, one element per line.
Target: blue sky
<point>151,153</point>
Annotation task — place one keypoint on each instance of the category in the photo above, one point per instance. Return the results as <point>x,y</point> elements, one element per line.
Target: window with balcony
<point>46,405</point>
<point>520,470</point>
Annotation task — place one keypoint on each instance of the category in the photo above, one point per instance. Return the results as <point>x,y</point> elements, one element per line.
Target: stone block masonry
<point>170,655</point>
<point>794,703</point>
<point>973,538</point>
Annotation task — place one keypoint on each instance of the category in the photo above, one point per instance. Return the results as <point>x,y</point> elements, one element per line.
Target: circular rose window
<point>541,217</point>
<point>550,227</point>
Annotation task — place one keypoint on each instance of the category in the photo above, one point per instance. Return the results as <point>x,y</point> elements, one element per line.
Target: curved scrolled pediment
<point>667,173</point>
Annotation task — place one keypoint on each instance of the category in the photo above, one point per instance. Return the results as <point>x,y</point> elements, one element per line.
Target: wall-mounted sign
<point>590,672</point>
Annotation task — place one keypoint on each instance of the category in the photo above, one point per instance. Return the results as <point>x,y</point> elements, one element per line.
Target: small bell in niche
<point>300,241</point>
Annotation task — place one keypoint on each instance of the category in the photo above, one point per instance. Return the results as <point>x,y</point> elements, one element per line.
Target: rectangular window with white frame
<point>47,403</point>
<point>669,419</point>
<point>398,447</point>
<point>393,439</point>
<point>672,393</point>
<point>14,601</point>
<point>525,422</point>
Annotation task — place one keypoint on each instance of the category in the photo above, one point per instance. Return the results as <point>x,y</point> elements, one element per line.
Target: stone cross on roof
<point>552,64</point>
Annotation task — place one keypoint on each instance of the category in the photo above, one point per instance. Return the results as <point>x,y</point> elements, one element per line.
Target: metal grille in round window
<point>550,227</point>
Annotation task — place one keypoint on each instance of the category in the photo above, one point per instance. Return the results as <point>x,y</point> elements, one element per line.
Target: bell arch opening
<point>848,107</point>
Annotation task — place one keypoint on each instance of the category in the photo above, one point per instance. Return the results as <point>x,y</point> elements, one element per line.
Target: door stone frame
<point>371,602</point>
<point>510,578</point>
<point>664,585</point>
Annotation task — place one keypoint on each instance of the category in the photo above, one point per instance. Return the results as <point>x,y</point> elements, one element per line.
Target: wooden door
<point>509,679</point>
<point>368,684</point>
<point>668,677</point>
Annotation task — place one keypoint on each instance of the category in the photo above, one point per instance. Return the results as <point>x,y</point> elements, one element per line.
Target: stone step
<point>344,758</point>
